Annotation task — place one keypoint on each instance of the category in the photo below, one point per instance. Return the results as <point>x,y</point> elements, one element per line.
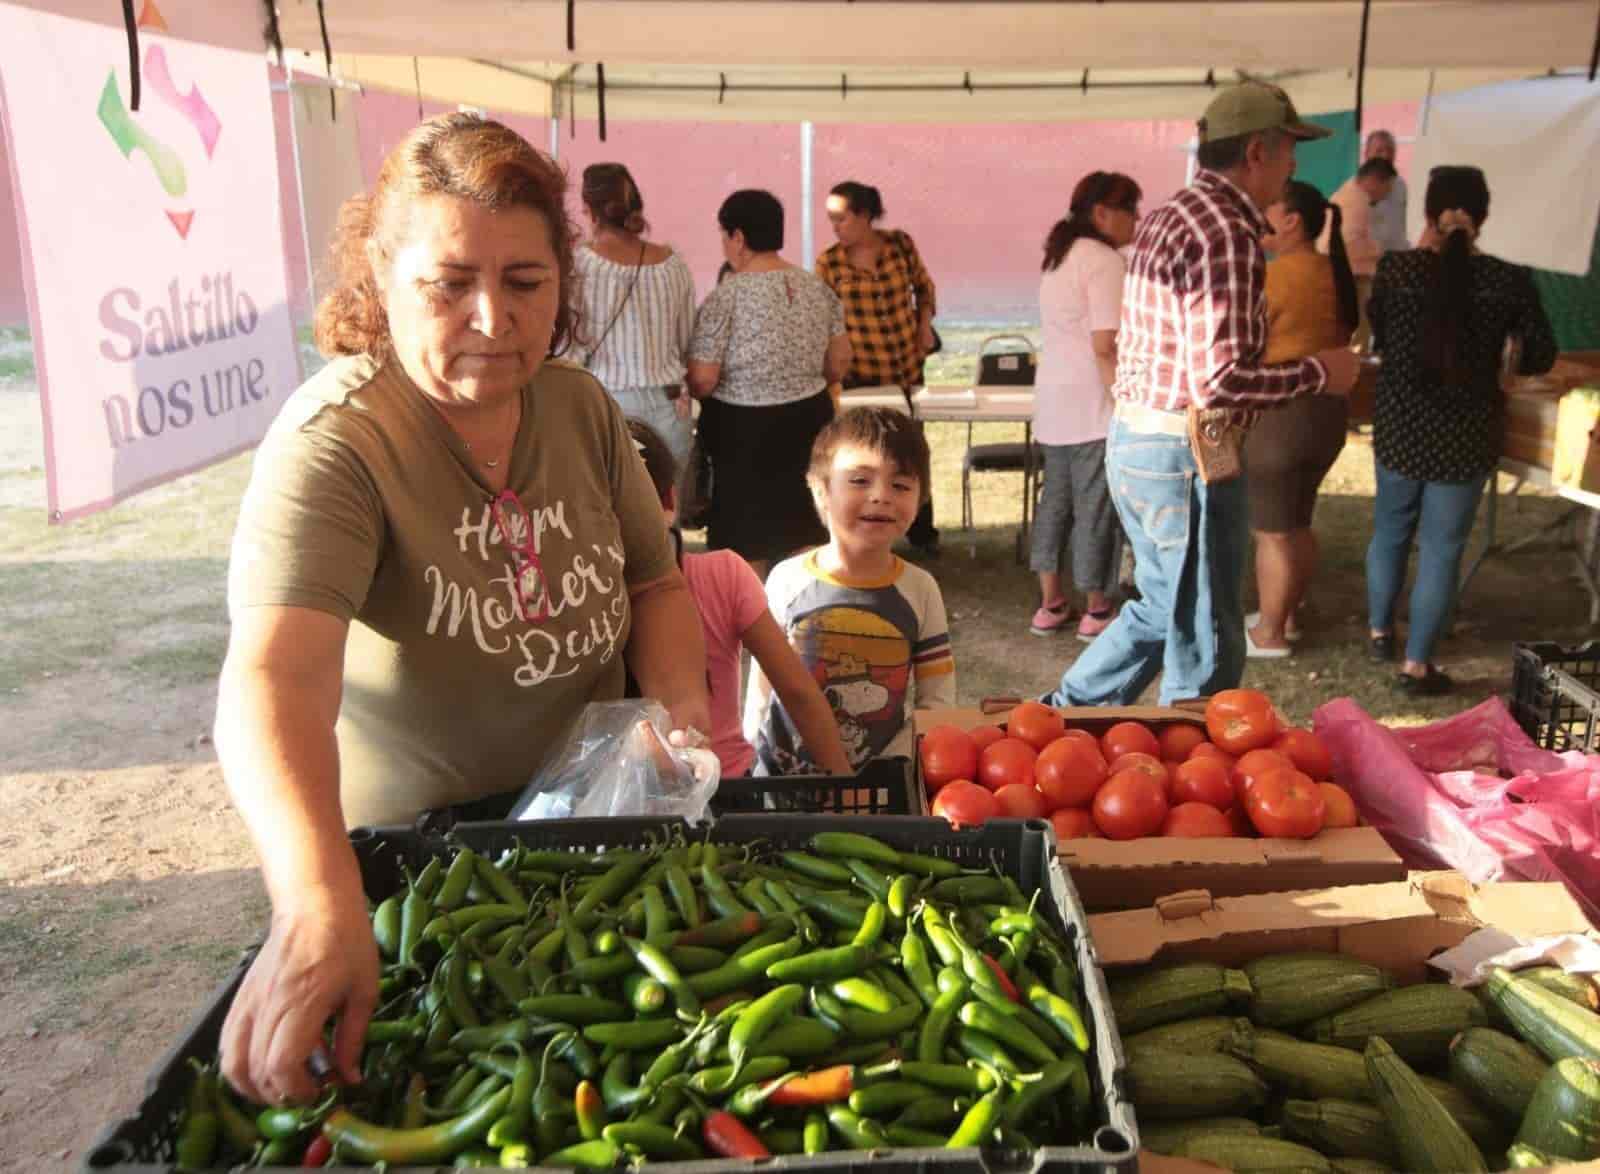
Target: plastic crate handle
<point>1188,903</point>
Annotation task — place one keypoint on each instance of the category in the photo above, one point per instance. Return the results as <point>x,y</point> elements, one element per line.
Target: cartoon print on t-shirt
<point>862,664</point>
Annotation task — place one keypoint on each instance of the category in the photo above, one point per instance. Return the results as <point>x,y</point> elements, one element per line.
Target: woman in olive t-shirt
<point>449,545</point>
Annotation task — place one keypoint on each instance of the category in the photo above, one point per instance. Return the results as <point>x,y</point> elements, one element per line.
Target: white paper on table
<point>965,396</point>
<point>1469,963</point>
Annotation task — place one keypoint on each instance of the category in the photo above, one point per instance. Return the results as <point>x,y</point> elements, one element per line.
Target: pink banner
<point>152,247</point>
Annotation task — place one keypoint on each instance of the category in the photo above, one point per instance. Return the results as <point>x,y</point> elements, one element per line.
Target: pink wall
<point>978,198</point>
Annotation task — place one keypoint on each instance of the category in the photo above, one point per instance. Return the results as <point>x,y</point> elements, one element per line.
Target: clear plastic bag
<point>616,761</point>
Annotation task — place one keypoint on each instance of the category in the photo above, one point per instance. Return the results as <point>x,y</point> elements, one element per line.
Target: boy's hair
<point>657,457</point>
<point>881,430</point>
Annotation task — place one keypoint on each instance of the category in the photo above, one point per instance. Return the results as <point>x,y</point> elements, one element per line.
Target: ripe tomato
<point>985,736</point>
<point>1036,724</point>
<point>1306,751</point>
<point>947,754</point>
<point>1241,719</point>
<point>1209,750</point>
<point>964,804</point>
<point>1147,763</point>
<point>1069,771</point>
<point>1240,821</point>
<point>1074,823</point>
<point>1203,780</point>
<point>1341,809</point>
<point>1016,801</point>
<point>1082,736</point>
<point>1130,805</point>
<point>1129,738</point>
<point>1178,739</point>
<point>1284,803</point>
<point>1010,760</point>
<point>1251,767</point>
<point>1192,820</point>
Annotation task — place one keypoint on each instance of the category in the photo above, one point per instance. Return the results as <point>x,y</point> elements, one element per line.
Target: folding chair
<point>1008,368</point>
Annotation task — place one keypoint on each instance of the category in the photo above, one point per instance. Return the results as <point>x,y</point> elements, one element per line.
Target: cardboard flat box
<point>1531,412</point>
<point>1397,926</point>
<point>1125,874</point>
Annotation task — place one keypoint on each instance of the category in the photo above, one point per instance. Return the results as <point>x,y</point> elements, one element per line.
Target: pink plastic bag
<point>1473,793</point>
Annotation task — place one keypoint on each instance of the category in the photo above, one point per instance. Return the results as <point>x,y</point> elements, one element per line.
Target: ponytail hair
<point>1457,203</point>
<point>1314,211</point>
<point>611,195</point>
<point>1110,188</point>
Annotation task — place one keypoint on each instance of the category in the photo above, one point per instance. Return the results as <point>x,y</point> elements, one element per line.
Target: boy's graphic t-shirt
<point>877,649</point>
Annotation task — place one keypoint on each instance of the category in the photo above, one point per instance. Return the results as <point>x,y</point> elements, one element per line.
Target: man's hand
<point>1343,365</point>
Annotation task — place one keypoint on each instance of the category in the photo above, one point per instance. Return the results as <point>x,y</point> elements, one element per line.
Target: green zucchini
<point>1164,1137</point>
<point>1556,1026</point>
<point>1244,1154</point>
<point>1170,993</point>
<point>1418,1022</point>
<point>1204,1034</point>
<point>1575,988</point>
<point>1499,1072</point>
<point>1347,1129</point>
<point>1292,989</point>
<point>1172,1086</point>
<point>1359,1166</point>
<point>1525,1157</point>
<point>1429,1139</point>
<point>1563,1118</point>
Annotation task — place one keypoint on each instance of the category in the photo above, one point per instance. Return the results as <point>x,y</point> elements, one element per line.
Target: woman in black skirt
<point>766,344</point>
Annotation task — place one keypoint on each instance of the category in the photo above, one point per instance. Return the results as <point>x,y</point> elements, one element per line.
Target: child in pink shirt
<point>733,612</point>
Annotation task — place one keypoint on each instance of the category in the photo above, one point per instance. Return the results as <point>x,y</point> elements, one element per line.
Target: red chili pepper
<point>826,1086</point>
<point>726,1136</point>
<point>591,1110</point>
<point>318,1152</point>
<point>1009,987</point>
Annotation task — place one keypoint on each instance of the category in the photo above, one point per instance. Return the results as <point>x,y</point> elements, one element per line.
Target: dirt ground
<point>128,886</point>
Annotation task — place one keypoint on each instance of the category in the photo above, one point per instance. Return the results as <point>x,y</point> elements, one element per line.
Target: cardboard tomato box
<point>1125,874</point>
<point>1398,926</point>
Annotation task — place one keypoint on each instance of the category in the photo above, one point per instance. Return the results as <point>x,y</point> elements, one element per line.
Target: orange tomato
<point>1010,760</point>
<point>1130,805</point>
<point>1069,771</point>
<point>1210,750</point>
<point>1074,823</point>
<point>1036,724</point>
<point>1196,820</point>
<point>1306,751</point>
<point>1252,766</point>
<point>985,736</point>
<point>964,804</point>
<point>1285,803</point>
<point>1203,780</point>
<point>1138,760</point>
<point>1341,809</point>
<point>1241,720</point>
<point>1018,801</point>
<point>1179,739</point>
<point>947,754</point>
<point>1129,738</point>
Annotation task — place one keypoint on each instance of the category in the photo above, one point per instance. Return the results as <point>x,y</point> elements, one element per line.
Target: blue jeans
<point>1189,544</point>
<point>1439,514</point>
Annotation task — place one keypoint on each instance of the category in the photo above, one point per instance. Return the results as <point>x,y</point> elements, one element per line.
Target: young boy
<point>734,616</point>
<point>870,626</point>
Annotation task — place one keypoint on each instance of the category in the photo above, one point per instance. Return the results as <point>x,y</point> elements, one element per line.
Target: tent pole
<point>807,242</point>
<point>555,136</point>
<point>300,193</point>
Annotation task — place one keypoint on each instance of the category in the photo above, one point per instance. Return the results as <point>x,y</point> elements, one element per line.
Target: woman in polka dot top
<point>1441,316</point>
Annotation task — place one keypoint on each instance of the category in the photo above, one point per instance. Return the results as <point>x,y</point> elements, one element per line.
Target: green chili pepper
<point>480,1157</point>
<point>454,888</point>
<point>987,1050</point>
<point>871,925</point>
<point>1034,1022</point>
<point>950,1077</point>
<point>513,1125</point>
<point>816,868</point>
<point>368,1143</point>
<point>696,959</point>
<point>505,975</point>
<point>878,1099</point>
<point>412,1115</point>
<point>866,1026</point>
<point>396,1031</point>
<point>855,1131</point>
<point>980,1122</point>
<point>428,879</point>
<point>456,994</point>
<point>503,887</point>
<point>659,967</point>
<point>900,990</point>
<point>933,1110</point>
<point>644,994</point>
<point>386,927</point>
<point>683,895</point>
<point>616,881</point>
<point>603,969</point>
<point>940,937</point>
<point>239,1129</point>
<point>580,1010</point>
<point>725,931</point>
<point>761,1017</point>
<point>606,942</point>
<point>862,993</point>
<point>781,1140</point>
<point>968,890</point>
<point>1052,1079</point>
<point>1060,1014</point>
<point>798,1038</point>
<point>822,965</point>
<point>930,1040</point>
<point>638,1036</point>
<point>1010,1032</point>
<point>668,1064</point>
<point>654,1141</point>
<point>600,1154</point>
<point>854,845</point>
<point>415,912</point>
<point>657,921</point>
<point>577,1052</point>
<point>754,894</point>
<point>931,866</point>
<point>725,1078</point>
<point>1012,923</point>
<point>869,878</point>
<point>200,1129</point>
<point>902,891</point>
<point>719,894</point>
<point>914,961</point>
<point>742,969</point>
<point>616,1087</point>
<point>814,1136</point>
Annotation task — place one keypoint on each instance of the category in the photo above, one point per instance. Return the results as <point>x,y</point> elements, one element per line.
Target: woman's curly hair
<point>461,155</point>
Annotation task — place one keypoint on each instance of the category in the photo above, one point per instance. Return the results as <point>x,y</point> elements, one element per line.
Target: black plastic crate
<point>884,786</point>
<point>1555,694</point>
<point>141,1143</point>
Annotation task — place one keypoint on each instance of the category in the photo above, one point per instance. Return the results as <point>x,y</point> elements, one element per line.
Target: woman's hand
<point>319,962</point>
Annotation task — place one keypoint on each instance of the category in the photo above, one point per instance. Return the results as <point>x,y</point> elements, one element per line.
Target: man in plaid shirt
<point>1192,334</point>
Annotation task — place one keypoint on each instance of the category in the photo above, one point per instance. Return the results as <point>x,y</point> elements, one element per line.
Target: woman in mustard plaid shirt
<point>888,302</point>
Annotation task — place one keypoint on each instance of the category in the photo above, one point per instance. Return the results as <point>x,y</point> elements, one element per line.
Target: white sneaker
<point>1255,652</point>
<point>1291,630</point>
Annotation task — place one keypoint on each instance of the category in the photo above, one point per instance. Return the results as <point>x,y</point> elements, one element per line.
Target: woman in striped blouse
<point>638,308</point>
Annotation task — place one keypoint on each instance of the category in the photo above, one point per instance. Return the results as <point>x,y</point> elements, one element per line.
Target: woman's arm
<point>836,360</point>
<point>277,702</point>
<point>703,378</point>
<point>1104,345</point>
<point>667,651</point>
<point>797,689</point>
<point>922,285</point>
<point>1538,339</point>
